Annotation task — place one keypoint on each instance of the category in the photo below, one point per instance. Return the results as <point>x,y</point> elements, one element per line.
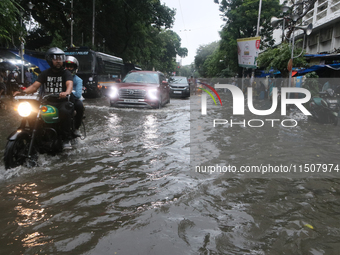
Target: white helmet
<point>54,53</point>
<point>72,61</point>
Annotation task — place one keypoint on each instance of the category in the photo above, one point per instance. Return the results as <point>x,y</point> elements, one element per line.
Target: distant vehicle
<point>140,89</point>
<point>179,86</point>
<point>96,69</point>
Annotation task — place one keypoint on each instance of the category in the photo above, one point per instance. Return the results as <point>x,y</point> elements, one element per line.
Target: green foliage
<point>241,18</point>
<point>165,51</point>
<point>241,22</point>
<point>137,31</point>
<point>278,58</point>
<point>10,29</point>
<point>57,41</point>
<point>203,58</point>
<point>186,71</point>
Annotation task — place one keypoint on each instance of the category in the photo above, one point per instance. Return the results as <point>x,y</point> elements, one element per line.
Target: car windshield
<point>139,77</point>
<point>178,80</point>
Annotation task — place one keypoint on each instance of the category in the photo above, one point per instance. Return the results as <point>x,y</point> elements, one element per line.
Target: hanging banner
<point>248,51</point>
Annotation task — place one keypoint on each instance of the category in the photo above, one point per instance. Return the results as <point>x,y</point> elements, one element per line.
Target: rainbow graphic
<point>209,93</point>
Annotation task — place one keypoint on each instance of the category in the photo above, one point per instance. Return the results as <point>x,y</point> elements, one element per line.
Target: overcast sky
<point>197,23</point>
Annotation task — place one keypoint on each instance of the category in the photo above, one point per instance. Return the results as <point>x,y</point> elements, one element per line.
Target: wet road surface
<point>130,188</point>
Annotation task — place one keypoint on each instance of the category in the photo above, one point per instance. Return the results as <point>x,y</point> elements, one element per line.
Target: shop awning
<point>316,68</point>
<point>41,63</point>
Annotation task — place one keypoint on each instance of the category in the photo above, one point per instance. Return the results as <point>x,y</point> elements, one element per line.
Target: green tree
<point>203,57</point>
<point>187,71</point>
<point>10,29</point>
<point>131,29</point>
<point>167,46</point>
<point>241,22</point>
<point>278,58</point>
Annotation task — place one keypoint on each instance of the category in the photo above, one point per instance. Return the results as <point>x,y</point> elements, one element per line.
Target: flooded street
<point>131,187</point>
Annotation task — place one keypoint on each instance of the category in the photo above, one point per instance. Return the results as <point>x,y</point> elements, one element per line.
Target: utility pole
<point>71,23</point>
<point>22,50</point>
<point>257,32</point>
<point>93,18</point>
<point>258,19</point>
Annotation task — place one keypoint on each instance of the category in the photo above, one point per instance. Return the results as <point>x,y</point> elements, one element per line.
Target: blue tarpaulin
<point>262,73</point>
<point>316,68</point>
<point>41,63</point>
<point>265,74</point>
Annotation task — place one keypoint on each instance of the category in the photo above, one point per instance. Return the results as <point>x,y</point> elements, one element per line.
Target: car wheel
<point>160,104</point>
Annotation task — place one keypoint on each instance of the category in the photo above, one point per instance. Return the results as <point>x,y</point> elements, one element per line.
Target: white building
<point>325,37</point>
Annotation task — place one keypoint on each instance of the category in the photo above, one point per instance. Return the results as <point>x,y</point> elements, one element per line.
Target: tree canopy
<point>240,18</point>
<point>137,31</point>
<point>241,22</point>
<point>278,58</point>
<point>10,29</point>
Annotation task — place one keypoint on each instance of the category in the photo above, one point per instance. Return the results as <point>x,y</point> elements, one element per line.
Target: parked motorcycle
<point>326,107</point>
<point>39,131</point>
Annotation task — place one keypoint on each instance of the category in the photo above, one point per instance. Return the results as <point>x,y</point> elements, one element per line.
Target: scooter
<point>326,107</point>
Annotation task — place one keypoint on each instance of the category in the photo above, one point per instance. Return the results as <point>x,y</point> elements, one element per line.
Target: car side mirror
<point>164,83</point>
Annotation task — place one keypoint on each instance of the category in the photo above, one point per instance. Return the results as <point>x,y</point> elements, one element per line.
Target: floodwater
<point>132,187</point>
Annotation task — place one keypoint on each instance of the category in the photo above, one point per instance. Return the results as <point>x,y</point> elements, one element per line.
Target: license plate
<point>178,92</point>
<point>131,100</point>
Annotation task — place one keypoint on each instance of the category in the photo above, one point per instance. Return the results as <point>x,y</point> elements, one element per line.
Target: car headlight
<point>24,109</point>
<point>152,93</point>
<point>113,92</point>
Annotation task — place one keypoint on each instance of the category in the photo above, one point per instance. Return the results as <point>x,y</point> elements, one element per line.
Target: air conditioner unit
<point>326,35</point>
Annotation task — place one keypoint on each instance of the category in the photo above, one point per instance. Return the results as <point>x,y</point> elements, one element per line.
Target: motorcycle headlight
<point>24,109</point>
<point>152,93</point>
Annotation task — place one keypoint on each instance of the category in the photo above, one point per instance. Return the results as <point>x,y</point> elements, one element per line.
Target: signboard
<point>74,53</point>
<point>248,51</point>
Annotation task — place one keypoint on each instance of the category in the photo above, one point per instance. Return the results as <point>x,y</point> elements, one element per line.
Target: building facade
<point>325,37</point>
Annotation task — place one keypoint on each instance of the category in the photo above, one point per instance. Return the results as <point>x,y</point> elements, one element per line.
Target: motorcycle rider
<point>71,63</point>
<point>57,79</point>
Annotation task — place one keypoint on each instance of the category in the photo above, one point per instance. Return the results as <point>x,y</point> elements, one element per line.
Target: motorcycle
<point>326,107</point>
<point>39,131</point>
